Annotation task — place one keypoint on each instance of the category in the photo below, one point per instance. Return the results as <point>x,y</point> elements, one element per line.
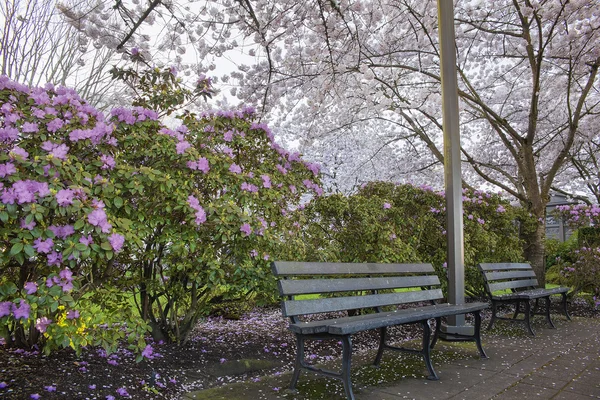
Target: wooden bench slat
<point>314,286</point>
<point>496,276</point>
<point>403,317</point>
<point>343,325</point>
<point>503,266</point>
<point>324,305</point>
<point>523,283</point>
<point>293,268</point>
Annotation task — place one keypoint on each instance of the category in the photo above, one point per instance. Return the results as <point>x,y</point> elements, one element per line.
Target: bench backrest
<point>362,280</point>
<point>513,276</point>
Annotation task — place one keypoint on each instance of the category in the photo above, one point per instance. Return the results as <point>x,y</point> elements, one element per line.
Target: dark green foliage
<point>384,222</point>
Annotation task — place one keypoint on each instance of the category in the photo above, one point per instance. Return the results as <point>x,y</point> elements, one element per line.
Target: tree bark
<point>535,251</point>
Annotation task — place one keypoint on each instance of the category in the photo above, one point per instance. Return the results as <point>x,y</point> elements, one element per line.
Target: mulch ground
<point>260,334</point>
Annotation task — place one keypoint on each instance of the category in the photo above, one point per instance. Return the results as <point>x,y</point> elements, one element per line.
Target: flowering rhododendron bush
<point>57,241</point>
<point>384,222</point>
<point>99,214</point>
<point>207,206</point>
<point>580,269</point>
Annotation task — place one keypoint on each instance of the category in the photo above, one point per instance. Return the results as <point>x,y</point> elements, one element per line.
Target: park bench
<point>364,296</point>
<point>520,281</point>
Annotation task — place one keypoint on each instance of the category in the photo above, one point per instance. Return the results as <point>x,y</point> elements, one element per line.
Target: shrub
<point>583,273</point>
<point>384,222</point>
<point>57,241</point>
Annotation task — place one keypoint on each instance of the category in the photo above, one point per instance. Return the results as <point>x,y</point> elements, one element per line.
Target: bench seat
<point>358,323</point>
<point>531,294</point>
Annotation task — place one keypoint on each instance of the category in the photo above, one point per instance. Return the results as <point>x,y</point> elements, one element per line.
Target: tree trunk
<point>535,251</point>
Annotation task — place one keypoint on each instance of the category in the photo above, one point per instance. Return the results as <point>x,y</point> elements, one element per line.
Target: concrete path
<point>561,363</point>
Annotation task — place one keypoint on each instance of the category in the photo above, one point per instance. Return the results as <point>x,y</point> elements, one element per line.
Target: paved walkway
<point>556,364</point>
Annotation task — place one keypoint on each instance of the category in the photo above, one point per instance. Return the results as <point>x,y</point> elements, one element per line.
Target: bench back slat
<point>503,266</point>
<point>498,276</point>
<point>502,276</point>
<point>401,283</point>
<point>295,268</point>
<point>323,305</point>
<point>519,284</point>
<point>314,286</point>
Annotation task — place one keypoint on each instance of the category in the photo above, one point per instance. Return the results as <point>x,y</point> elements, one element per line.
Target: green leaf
<point>8,289</point>
<point>118,202</point>
<point>3,216</point>
<point>80,247</point>
<point>79,224</point>
<point>16,249</point>
<point>29,250</point>
<point>106,246</point>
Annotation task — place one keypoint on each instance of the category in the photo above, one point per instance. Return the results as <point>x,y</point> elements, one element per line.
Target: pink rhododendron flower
<point>18,152</point>
<point>28,226</point>
<point>43,246</point>
<point>29,127</point>
<point>42,323</point>
<point>55,258</point>
<point>116,241</point>
<point>30,287</point>
<point>5,308</point>
<point>182,146</point>
<point>387,206</point>
<point>64,197</point>
<point>203,165</point>
<point>246,229</point>
<point>7,169</point>
<point>22,311</point>
<point>236,169</point>
<point>72,314</point>
<point>266,181</point>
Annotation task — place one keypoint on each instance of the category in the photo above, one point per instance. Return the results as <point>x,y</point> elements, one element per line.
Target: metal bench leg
<point>427,350</point>
<point>382,340</point>
<point>477,334</point>
<point>346,364</point>
<point>564,304</point>
<point>548,319</point>
<point>517,309</point>
<point>537,304</point>
<point>528,317</point>
<point>436,334</point>
<point>299,361</point>
<point>493,319</point>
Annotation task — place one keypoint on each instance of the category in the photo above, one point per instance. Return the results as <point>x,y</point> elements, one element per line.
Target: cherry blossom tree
<point>39,46</point>
<point>321,70</point>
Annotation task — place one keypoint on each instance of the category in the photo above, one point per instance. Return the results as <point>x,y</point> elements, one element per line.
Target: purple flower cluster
<point>236,169</point>
<point>200,165</point>
<point>64,279</point>
<point>248,187</point>
<point>98,218</point>
<point>131,116</point>
<point>116,241</point>
<point>266,181</point>
<point>21,311</point>
<point>200,213</point>
<point>24,192</point>
<point>246,229</point>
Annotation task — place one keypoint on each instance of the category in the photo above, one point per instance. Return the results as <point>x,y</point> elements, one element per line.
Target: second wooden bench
<point>522,286</point>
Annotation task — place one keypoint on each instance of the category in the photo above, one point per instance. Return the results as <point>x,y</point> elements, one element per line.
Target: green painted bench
<point>519,279</point>
<point>364,292</point>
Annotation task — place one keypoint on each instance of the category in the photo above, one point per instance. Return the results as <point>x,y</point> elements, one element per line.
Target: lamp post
<point>452,170</point>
